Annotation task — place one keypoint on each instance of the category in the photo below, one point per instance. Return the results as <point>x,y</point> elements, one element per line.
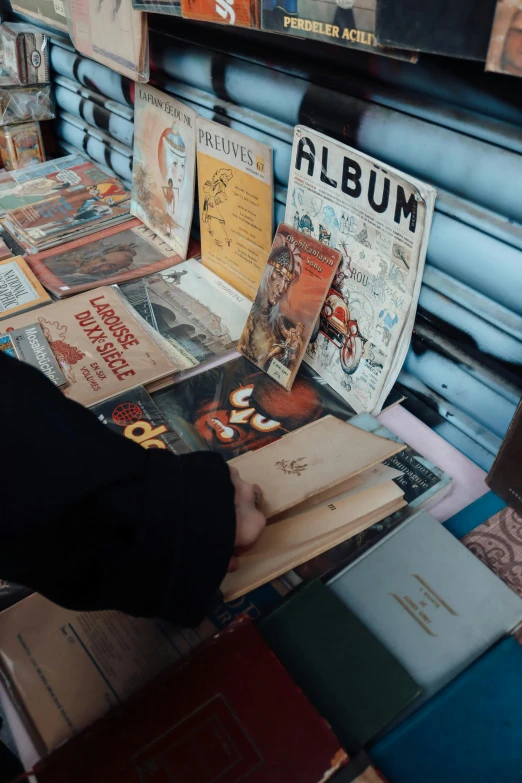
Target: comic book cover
<point>346,23</point>
<point>236,197</point>
<point>23,187</point>
<point>380,219</point>
<point>109,257</point>
<point>134,415</point>
<point>236,407</point>
<point>197,312</point>
<point>111,32</point>
<point>82,199</point>
<point>505,51</point>
<point>164,166</point>
<point>240,13</point>
<point>101,347</point>
<point>288,302</point>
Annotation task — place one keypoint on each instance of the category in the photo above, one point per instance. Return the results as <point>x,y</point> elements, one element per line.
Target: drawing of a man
<point>215,194</point>
<point>266,327</point>
<point>174,155</point>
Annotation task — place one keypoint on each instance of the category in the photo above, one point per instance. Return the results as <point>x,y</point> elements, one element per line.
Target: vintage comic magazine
<point>23,187</point>
<point>197,312</point>
<point>100,346</point>
<point>236,407</point>
<point>79,201</point>
<point>505,51</point>
<point>164,165</point>
<point>114,255</point>
<point>293,288</point>
<point>235,184</point>
<point>380,220</point>
<point>112,33</point>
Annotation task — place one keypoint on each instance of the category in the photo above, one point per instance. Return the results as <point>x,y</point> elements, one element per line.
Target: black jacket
<point>94,521</point>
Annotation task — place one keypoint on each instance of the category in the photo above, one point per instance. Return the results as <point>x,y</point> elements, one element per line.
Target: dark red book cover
<point>505,476</point>
<point>228,713</point>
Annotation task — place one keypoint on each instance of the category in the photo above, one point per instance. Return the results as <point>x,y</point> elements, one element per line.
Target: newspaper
<point>380,220</point>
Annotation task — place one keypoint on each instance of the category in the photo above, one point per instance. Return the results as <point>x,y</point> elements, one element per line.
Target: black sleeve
<point>94,521</point>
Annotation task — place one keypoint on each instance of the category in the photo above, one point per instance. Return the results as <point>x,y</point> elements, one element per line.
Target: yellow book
<point>235,183</point>
<point>19,288</point>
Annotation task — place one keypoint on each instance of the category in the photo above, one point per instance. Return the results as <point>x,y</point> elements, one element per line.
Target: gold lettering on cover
<point>412,614</point>
<point>441,601</point>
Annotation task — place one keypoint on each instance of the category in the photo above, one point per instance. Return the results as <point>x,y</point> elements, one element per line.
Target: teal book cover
<point>429,600</point>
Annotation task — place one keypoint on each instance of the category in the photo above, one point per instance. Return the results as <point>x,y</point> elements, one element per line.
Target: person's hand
<point>250,522</point>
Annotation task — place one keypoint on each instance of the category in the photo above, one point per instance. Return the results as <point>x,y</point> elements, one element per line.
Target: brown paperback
<point>100,346</point>
<point>321,485</point>
<point>505,477</point>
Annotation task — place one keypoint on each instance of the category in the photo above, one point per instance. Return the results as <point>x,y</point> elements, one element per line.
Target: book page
<point>376,218</point>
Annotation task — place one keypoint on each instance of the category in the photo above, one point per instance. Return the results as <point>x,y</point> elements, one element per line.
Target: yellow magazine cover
<point>235,184</point>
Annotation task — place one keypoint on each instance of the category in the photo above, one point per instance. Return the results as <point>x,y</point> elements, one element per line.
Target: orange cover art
<point>240,13</point>
<point>294,285</point>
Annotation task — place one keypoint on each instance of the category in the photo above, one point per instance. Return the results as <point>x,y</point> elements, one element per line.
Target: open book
<point>379,218</point>
<point>321,485</point>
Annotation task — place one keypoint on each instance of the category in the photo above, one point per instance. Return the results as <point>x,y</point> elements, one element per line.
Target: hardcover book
<point>199,314</point>
<point>112,33</point>
<point>480,710</point>
<point>236,197</point>
<point>321,484</point>
<point>209,717</point>
<point>434,605</point>
<point>134,416</point>
<point>348,675</point>
<point>505,476</point>
<point>380,219</point>
<point>290,296</point>
<point>235,408</point>
<point>79,201</point>
<point>100,345</point>
<point>422,482</point>
<point>31,346</point>
<point>164,166</point>
<point>114,255</point>
<point>498,543</point>
<point>78,650</point>
<point>19,288</point>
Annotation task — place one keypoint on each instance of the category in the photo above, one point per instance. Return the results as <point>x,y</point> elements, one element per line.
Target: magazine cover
<point>83,198</point>
<point>291,294</point>
<point>235,407</point>
<point>114,255</point>
<point>23,187</point>
<point>240,13</point>
<point>101,349</point>
<point>349,23</point>
<point>164,166</point>
<point>505,52</point>
<point>380,220</point>
<point>19,288</point>
<point>196,311</point>
<point>134,416</point>
<point>112,33</point>
<point>236,204</point>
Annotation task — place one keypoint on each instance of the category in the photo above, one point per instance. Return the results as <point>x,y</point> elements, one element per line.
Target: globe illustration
<point>126,413</point>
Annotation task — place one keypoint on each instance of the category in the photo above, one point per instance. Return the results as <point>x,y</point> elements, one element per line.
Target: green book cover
<point>350,678</point>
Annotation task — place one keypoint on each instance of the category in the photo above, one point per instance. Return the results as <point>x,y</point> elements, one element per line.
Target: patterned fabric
<point>498,543</point>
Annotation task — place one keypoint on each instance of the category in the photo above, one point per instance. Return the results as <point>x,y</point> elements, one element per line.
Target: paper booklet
<point>101,347</point>
<point>198,313</point>
<point>114,255</point>
<point>235,182</point>
<point>78,201</point>
<point>19,288</point>
<point>321,485</point>
<point>112,33</point>
<point>164,167</point>
<point>23,187</point>
<point>380,219</point>
<point>290,296</point>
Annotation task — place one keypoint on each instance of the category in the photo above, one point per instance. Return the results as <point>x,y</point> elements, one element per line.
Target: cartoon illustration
<point>215,194</point>
<point>109,193</point>
<point>362,237</point>
<point>296,220</point>
<point>400,253</point>
<point>324,235</point>
<point>306,226</point>
<point>329,217</point>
